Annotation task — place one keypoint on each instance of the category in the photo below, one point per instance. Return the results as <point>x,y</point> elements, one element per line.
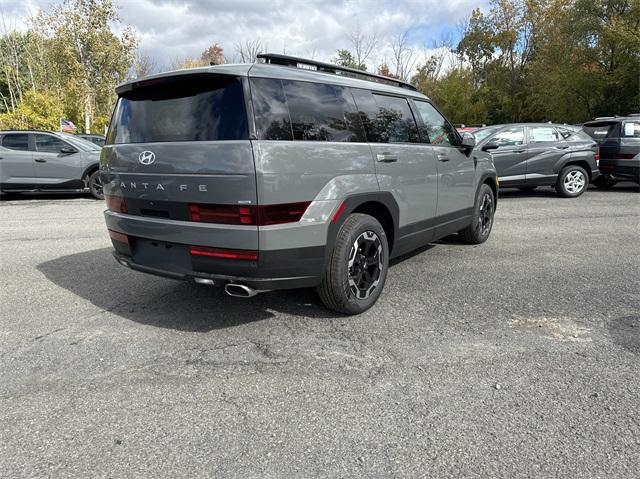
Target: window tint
<point>189,108</point>
<point>270,109</point>
<point>602,130</point>
<point>543,134</point>
<point>509,137</point>
<point>438,129</point>
<point>16,141</point>
<point>49,144</point>
<point>321,112</point>
<point>386,119</point>
<point>632,129</point>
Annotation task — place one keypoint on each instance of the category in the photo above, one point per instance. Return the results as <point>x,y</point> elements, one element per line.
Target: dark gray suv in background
<point>528,155</point>
<point>286,174</point>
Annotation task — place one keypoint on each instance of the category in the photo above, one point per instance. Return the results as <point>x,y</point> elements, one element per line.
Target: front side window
<point>543,134</point>
<point>438,129</point>
<point>509,137</point>
<point>187,108</point>
<point>16,141</point>
<point>49,144</point>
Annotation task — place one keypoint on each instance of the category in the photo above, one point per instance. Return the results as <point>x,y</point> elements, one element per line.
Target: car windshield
<point>79,143</point>
<point>483,133</point>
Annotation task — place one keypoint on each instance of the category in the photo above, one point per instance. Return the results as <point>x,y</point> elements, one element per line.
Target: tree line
<point>522,60</point>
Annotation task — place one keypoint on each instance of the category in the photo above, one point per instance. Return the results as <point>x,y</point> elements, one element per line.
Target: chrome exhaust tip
<point>239,290</point>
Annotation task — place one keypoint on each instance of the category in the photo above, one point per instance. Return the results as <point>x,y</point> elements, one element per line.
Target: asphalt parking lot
<point>516,358</point>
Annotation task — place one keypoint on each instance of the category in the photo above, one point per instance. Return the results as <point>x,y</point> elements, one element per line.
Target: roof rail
<point>634,114</point>
<point>606,117</point>
<point>312,65</point>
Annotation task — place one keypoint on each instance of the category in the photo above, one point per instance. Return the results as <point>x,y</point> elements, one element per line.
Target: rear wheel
<point>482,221</point>
<point>573,180</point>
<point>356,272</point>
<point>94,182</point>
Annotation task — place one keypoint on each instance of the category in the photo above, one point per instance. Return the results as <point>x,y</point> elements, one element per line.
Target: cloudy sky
<point>174,29</point>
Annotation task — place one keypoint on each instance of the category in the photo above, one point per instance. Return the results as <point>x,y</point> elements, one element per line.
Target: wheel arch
<point>88,171</point>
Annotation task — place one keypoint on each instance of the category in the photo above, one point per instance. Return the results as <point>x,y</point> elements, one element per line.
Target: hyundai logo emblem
<point>146,157</point>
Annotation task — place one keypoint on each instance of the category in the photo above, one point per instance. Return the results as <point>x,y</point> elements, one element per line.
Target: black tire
<point>94,183</point>
<point>350,267</point>
<point>572,181</point>
<point>604,182</point>
<point>527,189</point>
<point>482,219</point>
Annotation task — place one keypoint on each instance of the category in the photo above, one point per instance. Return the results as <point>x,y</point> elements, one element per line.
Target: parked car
<point>528,155</point>
<point>619,141</point>
<point>95,139</point>
<point>270,175</point>
<point>46,161</point>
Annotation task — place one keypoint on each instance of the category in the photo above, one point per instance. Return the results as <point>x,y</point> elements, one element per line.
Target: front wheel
<point>573,180</point>
<point>357,269</point>
<point>482,219</point>
<point>95,185</point>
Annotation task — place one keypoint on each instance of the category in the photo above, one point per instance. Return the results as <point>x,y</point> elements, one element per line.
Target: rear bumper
<point>161,247</point>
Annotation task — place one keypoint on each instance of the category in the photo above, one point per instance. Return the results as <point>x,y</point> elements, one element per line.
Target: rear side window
<point>16,141</point>
<point>386,119</point>
<point>49,144</point>
<point>632,129</point>
<point>304,111</point>
<point>190,108</point>
<point>543,134</point>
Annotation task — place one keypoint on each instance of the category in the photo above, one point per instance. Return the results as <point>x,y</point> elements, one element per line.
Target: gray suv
<point>47,161</point>
<point>288,173</point>
<point>528,155</point>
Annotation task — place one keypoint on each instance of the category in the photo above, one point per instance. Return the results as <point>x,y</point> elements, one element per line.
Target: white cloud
<point>172,29</point>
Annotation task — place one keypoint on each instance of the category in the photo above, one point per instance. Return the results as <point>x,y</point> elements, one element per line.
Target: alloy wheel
<point>486,214</point>
<point>365,264</point>
<point>574,181</point>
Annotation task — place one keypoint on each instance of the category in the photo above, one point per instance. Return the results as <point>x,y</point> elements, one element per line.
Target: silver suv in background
<point>46,161</point>
<point>286,174</point>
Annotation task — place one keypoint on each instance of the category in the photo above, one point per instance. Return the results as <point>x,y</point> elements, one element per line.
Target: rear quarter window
<point>193,108</point>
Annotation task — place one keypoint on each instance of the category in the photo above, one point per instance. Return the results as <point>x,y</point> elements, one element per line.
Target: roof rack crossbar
<point>296,62</point>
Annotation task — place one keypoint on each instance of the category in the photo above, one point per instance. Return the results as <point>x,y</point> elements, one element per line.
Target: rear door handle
<point>40,160</point>
<point>386,158</point>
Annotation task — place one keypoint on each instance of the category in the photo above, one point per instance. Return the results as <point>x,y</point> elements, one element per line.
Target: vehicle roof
<point>505,125</point>
<point>30,131</point>
<point>264,70</point>
<point>613,119</point>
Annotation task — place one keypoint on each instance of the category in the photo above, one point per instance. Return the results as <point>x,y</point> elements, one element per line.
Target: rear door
<point>404,166</point>
<point>16,160</point>
<point>52,165</point>
<point>456,169</point>
<point>510,158</point>
<point>545,150</point>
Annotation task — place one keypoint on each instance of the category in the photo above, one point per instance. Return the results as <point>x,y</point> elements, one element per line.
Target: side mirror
<point>67,150</point>
<point>468,140</point>
<point>491,145</point>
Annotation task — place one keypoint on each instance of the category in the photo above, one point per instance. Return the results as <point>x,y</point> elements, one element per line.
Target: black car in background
<point>95,139</point>
<point>619,141</point>
<point>528,155</point>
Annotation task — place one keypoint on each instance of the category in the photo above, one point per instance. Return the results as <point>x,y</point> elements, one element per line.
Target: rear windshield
<point>194,108</point>
<point>601,130</point>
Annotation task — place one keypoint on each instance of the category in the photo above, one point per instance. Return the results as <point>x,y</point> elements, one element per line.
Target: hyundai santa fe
<point>286,173</point>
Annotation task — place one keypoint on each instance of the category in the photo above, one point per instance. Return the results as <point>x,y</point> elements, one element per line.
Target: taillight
<point>239,254</point>
<point>116,203</point>
<point>222,214</point>
<point>597,158</point>
<point>248,215</point>
<point>121,237</point>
